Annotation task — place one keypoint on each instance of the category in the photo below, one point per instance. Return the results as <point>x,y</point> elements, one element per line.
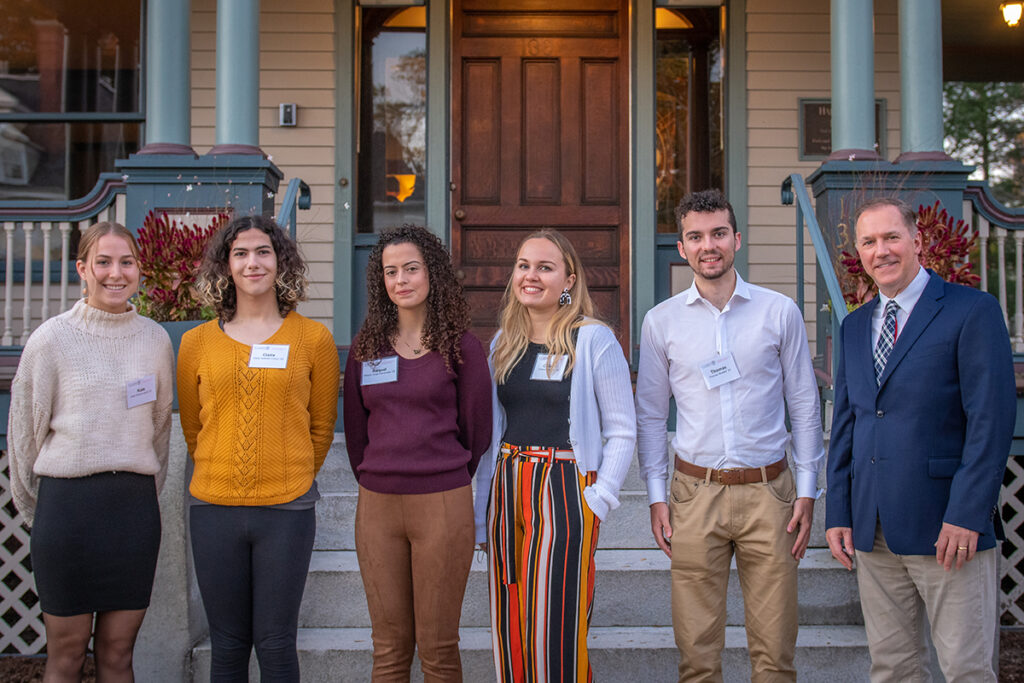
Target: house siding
<point>296,65</point>
<point>787,59</point>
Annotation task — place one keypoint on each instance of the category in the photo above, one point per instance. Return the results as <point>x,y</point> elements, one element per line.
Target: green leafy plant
<point>169,256</point>
<point>945,248</point>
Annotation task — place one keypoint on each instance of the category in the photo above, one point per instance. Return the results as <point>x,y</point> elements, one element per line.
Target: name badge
<point>540,369</point>
<point>380,371</point>
<point>269,356</point>
<point>719,370</point>
<point>139,391</point>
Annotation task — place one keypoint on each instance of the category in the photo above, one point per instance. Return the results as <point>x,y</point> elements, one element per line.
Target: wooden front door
<point>540,96</point>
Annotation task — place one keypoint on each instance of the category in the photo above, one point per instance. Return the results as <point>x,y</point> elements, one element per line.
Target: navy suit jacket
<point>929,445</point>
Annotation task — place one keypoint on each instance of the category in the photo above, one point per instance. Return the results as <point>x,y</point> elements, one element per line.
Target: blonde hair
<point>514,320</point>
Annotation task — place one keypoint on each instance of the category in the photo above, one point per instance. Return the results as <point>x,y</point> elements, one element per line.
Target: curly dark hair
<point>447,310</point>
<point>214,280</point>
<point>706,201</point>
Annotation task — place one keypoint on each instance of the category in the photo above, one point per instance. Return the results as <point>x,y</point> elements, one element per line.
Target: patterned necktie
<point>886,340</point>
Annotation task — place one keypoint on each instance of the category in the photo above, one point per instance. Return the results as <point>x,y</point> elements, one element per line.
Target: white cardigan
<point>602,423</point>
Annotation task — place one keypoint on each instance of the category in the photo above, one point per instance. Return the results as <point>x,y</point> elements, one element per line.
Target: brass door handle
<point>460,214</point>
<point>460,274</point>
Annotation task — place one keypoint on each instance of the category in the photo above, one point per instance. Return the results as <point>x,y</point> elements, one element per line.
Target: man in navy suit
<point>925,403</point>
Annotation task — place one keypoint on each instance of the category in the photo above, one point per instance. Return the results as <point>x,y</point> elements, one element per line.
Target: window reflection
<point>393,118</point>
<point>689,153</point>
<point>66,57</point>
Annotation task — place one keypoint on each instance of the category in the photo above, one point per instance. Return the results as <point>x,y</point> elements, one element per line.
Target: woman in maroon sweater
<point>417,420</point>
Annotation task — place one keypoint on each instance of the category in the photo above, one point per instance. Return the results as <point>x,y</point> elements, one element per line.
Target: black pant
<point>251,563</point>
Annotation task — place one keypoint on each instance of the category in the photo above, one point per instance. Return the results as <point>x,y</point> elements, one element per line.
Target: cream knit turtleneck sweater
<point>69,415</point>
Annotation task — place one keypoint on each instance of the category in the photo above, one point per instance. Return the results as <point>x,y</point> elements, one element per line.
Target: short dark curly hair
<point>447,310</point>
<point>705,201</point>
<point>218,288</point>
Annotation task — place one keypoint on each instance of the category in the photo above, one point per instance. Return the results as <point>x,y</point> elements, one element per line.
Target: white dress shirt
<point>741,423</point>
<point>906,300</point>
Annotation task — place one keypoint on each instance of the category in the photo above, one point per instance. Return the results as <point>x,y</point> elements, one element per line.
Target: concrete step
<point>632,589</point>
<point>629,526</point>
<point>837,654</point>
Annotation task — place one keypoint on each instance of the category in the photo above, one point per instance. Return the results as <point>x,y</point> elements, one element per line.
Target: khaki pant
<point>902,595</point>
<point>414,554</point>
<point>710,522</point>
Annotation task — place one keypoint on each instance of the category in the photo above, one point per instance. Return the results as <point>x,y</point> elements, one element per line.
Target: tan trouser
<point>710,521</point>
<point>414,554</point>
<point>902,594</point>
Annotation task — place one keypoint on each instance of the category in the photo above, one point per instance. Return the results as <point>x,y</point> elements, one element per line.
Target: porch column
<point>853,80</point>
<point>921,80</point>
<point>238,77</point>
<point>168,90</point>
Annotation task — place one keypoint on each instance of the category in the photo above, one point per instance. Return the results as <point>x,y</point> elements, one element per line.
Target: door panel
<point>540,102</point>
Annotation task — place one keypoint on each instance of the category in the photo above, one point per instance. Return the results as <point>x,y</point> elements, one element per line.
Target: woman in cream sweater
<point>89,424</point>
<point>258,392</point>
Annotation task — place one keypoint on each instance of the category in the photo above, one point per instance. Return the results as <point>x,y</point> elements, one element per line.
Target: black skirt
<point>94,543</point>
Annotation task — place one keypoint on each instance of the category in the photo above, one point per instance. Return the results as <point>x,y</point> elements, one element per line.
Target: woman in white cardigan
<point>564,433</point>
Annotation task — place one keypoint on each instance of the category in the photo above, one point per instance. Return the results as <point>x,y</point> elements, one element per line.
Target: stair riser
<point>627,527</point>
<point>622,598</point>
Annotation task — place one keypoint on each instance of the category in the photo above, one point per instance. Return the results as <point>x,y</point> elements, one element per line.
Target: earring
<point>566,298</point>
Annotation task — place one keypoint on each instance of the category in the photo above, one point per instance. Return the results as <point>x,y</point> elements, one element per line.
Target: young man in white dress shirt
<point>734,356</point>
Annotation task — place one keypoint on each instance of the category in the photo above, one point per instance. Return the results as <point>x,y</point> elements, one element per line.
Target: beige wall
<point>296,65</point>
<point>787,59</point>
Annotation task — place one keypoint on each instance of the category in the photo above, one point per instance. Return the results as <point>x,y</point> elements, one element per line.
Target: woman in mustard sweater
<point>258,391</point>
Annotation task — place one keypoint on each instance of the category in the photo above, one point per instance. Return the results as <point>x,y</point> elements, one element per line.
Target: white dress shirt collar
<point>742,290</point>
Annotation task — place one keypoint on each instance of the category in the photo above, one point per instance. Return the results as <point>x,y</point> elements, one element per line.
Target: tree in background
<point>984,125</point>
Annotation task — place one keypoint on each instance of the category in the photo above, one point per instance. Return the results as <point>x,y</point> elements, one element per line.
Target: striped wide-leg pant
<point>541,567</point>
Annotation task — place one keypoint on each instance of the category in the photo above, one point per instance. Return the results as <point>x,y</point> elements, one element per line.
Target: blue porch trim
<point>344,168</point>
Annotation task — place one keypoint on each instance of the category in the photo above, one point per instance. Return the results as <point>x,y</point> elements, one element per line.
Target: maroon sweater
<point>424,433</point>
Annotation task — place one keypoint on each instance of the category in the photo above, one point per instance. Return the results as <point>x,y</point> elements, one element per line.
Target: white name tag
<point>139,391</point>
<point>540,369</point>
<point>269,356</point>
<point>380,371</point>
<point>719,370</point>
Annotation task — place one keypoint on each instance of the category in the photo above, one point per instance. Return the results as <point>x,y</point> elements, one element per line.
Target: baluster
<point>26,309</point>
<point>8,338</point>
<point>65,247</point>
<point>120,209</point>
<point>1001,251</point>
<point>44,310</point>
<point>82,227</point>
<point>1018,287</point>
<point>983,246</point>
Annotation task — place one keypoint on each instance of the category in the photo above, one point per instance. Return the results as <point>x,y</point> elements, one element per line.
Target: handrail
<point>794,187</point>
<point>100,197</point>
<point>990,208</point>
<point>297,195</point>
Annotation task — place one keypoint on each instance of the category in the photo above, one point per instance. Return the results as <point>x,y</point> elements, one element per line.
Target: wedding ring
<point>961,547</point>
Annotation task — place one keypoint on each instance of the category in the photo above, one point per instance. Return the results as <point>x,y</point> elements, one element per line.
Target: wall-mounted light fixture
<point>1012,12</point>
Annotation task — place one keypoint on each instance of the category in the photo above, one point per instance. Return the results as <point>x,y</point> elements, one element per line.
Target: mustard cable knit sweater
<point>258,436</point>
<point>69,415</point>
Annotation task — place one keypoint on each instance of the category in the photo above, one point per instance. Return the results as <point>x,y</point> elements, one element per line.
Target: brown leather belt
<point>733,475</point>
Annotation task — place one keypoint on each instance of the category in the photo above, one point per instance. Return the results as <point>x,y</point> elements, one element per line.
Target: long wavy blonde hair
<point>515,320</point>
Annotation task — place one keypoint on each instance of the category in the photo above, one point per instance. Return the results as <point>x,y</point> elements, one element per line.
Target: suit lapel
<point>862,351</point>
<point>924,310</point>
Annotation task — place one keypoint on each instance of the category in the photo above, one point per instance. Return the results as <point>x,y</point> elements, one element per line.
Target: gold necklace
<point>415,352</point>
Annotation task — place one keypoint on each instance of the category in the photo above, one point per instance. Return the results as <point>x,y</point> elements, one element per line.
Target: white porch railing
<point>32,296</point>
<point>993,222</point>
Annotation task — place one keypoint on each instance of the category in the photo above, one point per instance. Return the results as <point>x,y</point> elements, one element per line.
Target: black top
<point>536,411</point>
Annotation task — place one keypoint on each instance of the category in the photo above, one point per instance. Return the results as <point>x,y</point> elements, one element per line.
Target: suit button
<point>872,461</point>
<point>879,413</point>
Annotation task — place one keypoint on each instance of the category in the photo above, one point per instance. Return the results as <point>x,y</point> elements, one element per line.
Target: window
<point>69,94</point>
<point>392,118</point>
<point>689,154</point>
